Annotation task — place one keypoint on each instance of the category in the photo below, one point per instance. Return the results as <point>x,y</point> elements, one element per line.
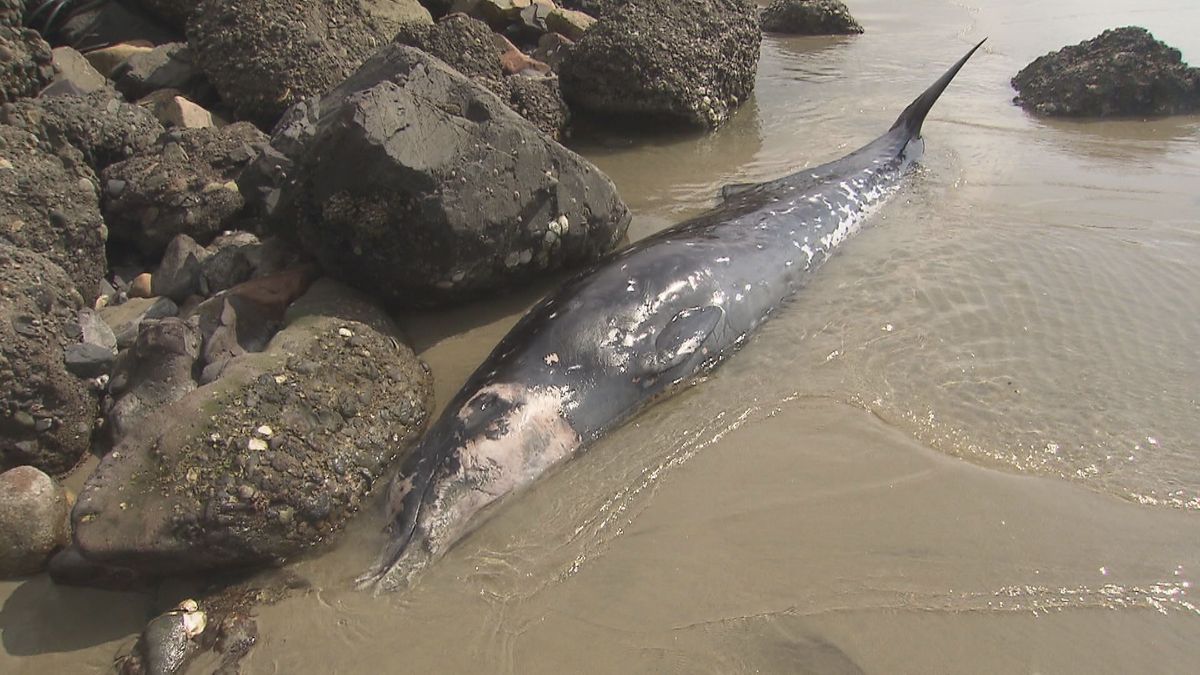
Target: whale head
<point>498,441</point>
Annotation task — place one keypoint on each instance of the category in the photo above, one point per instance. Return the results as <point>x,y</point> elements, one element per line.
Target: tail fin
<point>914,115</point>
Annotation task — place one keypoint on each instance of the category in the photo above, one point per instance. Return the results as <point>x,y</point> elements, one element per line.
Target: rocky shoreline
<point>212,209</point>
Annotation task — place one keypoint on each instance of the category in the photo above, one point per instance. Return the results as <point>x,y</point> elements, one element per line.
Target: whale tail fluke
<point>914,115</point>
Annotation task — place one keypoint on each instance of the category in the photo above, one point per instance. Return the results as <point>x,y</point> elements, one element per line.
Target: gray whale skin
<point>634,328</point>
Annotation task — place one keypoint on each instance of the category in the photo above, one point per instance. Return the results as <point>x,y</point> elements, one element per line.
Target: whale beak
<point>399,560</point>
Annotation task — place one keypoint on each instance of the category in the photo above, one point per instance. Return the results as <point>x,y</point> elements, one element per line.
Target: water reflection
<point>1143,140</point>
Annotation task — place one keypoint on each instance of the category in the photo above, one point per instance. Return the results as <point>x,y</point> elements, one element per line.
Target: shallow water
<point>971,445</point>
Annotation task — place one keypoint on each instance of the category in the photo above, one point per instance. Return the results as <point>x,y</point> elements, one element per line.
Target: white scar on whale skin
<point>531,438</point>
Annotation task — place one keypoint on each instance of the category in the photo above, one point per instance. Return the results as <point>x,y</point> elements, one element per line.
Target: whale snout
<point>499,441</point>
<point>407,549</point>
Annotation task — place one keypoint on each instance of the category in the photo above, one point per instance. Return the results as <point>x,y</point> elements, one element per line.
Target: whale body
<point>650,319</point>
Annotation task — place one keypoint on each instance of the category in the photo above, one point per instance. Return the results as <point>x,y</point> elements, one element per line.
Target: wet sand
<point>970,446</point>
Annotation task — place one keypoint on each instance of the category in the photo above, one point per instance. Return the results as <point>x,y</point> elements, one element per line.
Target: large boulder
<point>688,60</point>
<point>265,55</point>
<point>270,459</point>
<point>51,206</point>
<point>173,13</point>
<point>418,185</point>
<point>26,63</point>
<point>464,43</point>
<point>469,46</point>
<point>12,13</point>
<point>1123,71</point>
<point>99,125</point>
<point>33,520</point>
<point>809,17</point>
<point>186,186</point>
<point>46,413</point>
<point>538,99</point>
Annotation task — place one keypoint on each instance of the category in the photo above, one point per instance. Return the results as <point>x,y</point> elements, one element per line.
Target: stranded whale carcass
<point>635,327</point>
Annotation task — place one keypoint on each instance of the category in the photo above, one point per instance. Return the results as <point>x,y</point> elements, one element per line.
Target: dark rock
<point>687,60</point>
<point>166,66</point>
<point>172,13</point>
<point>592,7</point>
<point>168,499</point>
<point>809,17</point>
<point>538,99</point>
<point>1123,71</point>
<point>46,413</point>
<point>156,372</point>
<point>180,273</point>
<point>68,567</point>
<point>233,258</point>
<point>464,43</point>
<point>279,254</point>
<point>186,187</point>
<point>51,207</point>
<point>12,13</point>
<point>169,641</point>
<point>552,48</point>
<point>100,126</point>
<point>74,69</point>
<point>264,55</point>
<point>126,319</point>
<point>26,63</point>
<point>91,25</point>
<point>86,361</point>
<point>470,47</point>
<point>464,196</point>
<point>33,521</point>
<point>244,319</point>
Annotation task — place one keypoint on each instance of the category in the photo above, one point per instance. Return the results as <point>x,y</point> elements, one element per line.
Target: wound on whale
<point>634,328</point>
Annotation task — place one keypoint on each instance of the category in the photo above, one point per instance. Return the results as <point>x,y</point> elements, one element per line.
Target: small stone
<point>345,332</point>
<point>94,331</point>
<point>75,68</point>
<point>257,444</point>
<point>265,431</point>
<point>180,112</point>
<point>24,419</point>
<point>568,23</point>
<point>141,286</point>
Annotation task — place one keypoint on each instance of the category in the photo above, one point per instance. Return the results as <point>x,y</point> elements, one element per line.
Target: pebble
<point>33,520</point>
<point>141,286</point>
